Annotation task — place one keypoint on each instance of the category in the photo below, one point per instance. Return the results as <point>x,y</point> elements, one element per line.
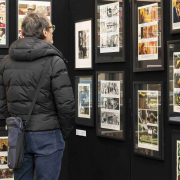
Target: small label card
<point>80,132</point>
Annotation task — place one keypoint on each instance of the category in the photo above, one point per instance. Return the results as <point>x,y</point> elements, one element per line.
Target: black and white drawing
<point>109,28</point>
<point>112,26</point>
<point>110,120</point>
<point>103,27</point>
<point>84,100</point>
<point>112,41</point>
<point>110,105</point>
<point>110,87</point>
<point>103,42</point>
<point>83,44</point>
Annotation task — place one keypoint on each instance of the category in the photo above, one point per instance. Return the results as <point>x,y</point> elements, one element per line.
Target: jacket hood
<point>30,49</point>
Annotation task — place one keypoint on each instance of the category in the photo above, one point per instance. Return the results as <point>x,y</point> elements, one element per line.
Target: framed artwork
<point>174,16</point>
<point>148,120</point>
<point>26,6</point>
<point>4,23</point>
<point>175,155</point>
<point>83,44</point>
<point>173,54</point>
<point>110,116</point>
<point>5,172</point>
<point>147,35</point>
<point>84,103</point>
<point>109,31</point>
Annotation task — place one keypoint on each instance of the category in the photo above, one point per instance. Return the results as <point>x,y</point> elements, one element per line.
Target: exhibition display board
<point>124,61</point>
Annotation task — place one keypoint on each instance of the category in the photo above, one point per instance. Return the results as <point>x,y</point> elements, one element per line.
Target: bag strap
<point>41,81</point>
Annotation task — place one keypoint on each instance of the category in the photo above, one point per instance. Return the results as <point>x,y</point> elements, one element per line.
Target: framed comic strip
<point>5,172</point>
<point>175,155</point>
<point>173,54</point>
<point>110,104</point>
<point>109,31</point>
<point>148,119</point>
<point>83,44</point>
<point>84,103</point>
<point>147,25</point>
<point>26,6</point>
<point>174,16</point>
<point>4,23</point>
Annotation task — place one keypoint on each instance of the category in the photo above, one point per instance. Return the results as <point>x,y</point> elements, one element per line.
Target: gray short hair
<point>33,25</point>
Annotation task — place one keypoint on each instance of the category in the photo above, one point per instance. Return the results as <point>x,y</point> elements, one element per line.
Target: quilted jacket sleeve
<point>63,94</point>
<point>3,101</point>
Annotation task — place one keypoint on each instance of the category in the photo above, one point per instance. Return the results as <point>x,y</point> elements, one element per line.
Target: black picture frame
<point>150,153</point>
<point>17,12</point>
<point>1,58</point>
<point>172,46</point>
<point>4,141</point>
<point>113,56</point>
<point>110,133</point>
<point>172,31</point>
<point>7,26</point>
<point>91,40</point>
<point>84,121</point>
<point>147,65</point>
<point>175,154</point>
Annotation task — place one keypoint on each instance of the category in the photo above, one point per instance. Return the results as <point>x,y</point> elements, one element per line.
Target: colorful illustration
<point>175,14</point>
<point>26,7</point>
<point>176,81</point>
<point>148,121</point>
<point>84,100</point>
<point>148,32</point>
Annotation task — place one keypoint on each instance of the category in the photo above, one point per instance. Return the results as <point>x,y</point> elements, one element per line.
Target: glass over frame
<point>84,100</point>
<point>148,119</point>
<point>27,6</point>
<point>110,119</point>
<point>109,23</point>
<point>147,34</point>
<point>175,155</point>
<point>173,49</point>
<point>4,23</point>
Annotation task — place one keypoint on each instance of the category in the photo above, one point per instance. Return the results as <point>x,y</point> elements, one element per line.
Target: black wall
<point>92,157</point>
<point>97,158</point>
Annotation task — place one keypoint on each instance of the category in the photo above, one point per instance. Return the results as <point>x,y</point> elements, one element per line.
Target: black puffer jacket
<point>20,72</point>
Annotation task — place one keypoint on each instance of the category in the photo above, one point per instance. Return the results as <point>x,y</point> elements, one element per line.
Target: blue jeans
<point>43,152</point>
